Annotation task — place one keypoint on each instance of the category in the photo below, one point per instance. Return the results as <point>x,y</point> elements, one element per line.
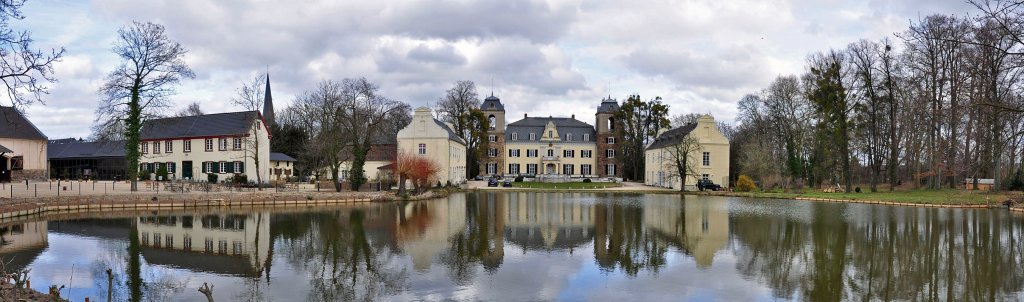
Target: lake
<point>531,246</point>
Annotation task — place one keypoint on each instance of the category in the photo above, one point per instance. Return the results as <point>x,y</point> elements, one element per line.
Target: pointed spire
<point>268,104</point>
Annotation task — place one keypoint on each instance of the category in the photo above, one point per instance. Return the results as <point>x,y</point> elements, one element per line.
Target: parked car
<point>478,177</point>
<point>507,183</point>
<point>492,182</point>
<point>706,184</point>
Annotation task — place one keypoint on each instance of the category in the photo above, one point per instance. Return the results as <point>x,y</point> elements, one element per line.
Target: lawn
<point>947,196</point>
<point>565,185</point>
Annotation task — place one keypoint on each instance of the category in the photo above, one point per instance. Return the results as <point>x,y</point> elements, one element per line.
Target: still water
<point>532,246</point>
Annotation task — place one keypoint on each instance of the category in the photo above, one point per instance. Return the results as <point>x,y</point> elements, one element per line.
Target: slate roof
<point>451,133</point>
<point>565,125</point>
<point>13,124</point>
<point>672,137</point>
<point>608,105</point>
<point>492,103</point>
<point>71,148</point>
<point>277,156</point>
<point>219,124</point>
<point>5,149</point>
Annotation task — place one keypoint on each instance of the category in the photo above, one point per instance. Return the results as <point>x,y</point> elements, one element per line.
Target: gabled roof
<point>277,156</point>
<point>672,137</point>
<point>13,124</point>
<point>219,124</point>
<point>451,133</point>
<point>5,149</point>
<point>71,148</point>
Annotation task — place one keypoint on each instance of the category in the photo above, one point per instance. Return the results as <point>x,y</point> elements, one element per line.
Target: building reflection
<point>697,225</point>
<point>21,243</point>
<point>424,228</point>
<point>543,221</point>
<point>229,244</point>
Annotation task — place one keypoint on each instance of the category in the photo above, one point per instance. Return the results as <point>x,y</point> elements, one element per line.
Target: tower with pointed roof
<point>268,104</point>
<point>492,161</point>
<point>609,136</point>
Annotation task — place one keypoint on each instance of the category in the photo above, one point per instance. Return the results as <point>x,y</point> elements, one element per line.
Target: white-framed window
<point>707,159</point>
<point>585,169</point>
<point>610,140</point>
<point>492,152</point>
<point>237,143</point>
<point>586,154</point>
<point>492,138</point>
<point>515,136</point>
<point>207,167</point>
<point>156,147</point>
<point>568,137</point>
<point>223,144</point>
<point>568,169</point>
<point>344,174</point>
<point>586,137</point>
<point>223,167</point>
<point>551,134</point>
<point>209,144</point>
<point>238,167</point>
<point>513,168</point>
<point>706,177</point>
<point>171,167</point>
<point>610,153</point>
<point>422,149</point>
<point>168,147</point>
<point>551,152</point>
<point>145,147</point>
<point>531,152</point>
<point>492,168</point>
<point>533,136</point>
<point>569,153</point>
<point>186,145</point>
<point>610,169</point>
<point>513,152</point>
<point>531,168</point>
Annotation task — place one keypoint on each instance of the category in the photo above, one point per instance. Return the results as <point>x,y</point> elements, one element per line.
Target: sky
<point>544,58</point>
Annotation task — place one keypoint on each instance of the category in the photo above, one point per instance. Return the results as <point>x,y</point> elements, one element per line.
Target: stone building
<point>22,147</point>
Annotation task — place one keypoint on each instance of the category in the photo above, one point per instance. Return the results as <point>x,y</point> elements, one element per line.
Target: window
<point>513,153</point>
<point>236,247</point>
<point>223,143</point>
<point>156,147</point>
<point>705,177</point>
<point>515,136</point>
<point>533,136</point>
<point>551,152</point>
<point>610,153</point>
<point>586,154</point>
<point>257,125</point>
<point>492,138</point>
<point>423,149</point>
<point>169,240</point>
<point>170,167</point>
<point>610,169</point>
<point>222,246</point>
<point>145,148</point>
<point>491,122</point>
<point>238,167</point>
<point>585,169</point>
<point>513,168</point>
<point>209,144</point>
<point>156,239</point>
<point>551,134</point>
<point>17,162</point>
<point>237,143</point>
<point>492,152</point>
<point>344,174</point>
<point>209,245</point>
<point>492,168</point>
<point>223,167</point>
<point>568,136</point>
<point>531,168</point>
<point>186,243</point>
<point>569,153</point>
<point>186,145</point>
<point>611,123</point>
<point>531,152</point>
<point>168,147</point>
<point>610,140</point>
<point>568,169</point>
<point>208,167</point>
<point>707,159</point>
<point>586,137</point>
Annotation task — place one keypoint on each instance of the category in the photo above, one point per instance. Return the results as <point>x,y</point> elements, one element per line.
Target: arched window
<point>492,121</point>
<point>611,123</point>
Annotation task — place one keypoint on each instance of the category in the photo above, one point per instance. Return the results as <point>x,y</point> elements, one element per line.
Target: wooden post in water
<point>110,285</point>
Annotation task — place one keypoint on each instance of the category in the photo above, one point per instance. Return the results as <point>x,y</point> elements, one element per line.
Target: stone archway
<point>550,169</point>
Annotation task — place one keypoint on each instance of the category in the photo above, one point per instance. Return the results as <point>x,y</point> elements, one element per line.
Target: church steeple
<point>268,104</point>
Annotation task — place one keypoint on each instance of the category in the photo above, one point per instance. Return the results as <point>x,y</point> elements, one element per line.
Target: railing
<point>549,158</point>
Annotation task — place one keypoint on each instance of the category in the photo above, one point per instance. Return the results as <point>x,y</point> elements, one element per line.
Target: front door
<point>551,169</point>
<point>5,173</point>
<point>186,169</point>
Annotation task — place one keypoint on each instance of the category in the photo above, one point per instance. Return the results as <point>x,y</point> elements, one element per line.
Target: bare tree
<point>319,113</point>
<point>681,160</point>
<point>251,97</point>
<point>364,112</point>
<point>460,107</point>
<point>151,64</point>
<point>191,110</point>
<point>24,71</point>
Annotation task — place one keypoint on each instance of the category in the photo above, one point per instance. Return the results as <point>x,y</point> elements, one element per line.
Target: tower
<point>492,161</point>
<point>609,136</point>
<point>268,105</point>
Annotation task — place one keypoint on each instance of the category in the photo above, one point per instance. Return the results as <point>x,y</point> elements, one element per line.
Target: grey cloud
<point>445,54</point>
<point>454,20</point>
<point>730,69</point>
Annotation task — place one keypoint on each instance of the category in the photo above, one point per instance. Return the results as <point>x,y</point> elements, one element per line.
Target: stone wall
<point>22,175</point>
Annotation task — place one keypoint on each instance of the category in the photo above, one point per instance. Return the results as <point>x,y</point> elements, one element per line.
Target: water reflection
<point>531,246</point>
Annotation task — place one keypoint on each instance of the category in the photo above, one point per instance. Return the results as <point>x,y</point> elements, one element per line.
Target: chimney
<point>524,115</point>
<point>574,116</point>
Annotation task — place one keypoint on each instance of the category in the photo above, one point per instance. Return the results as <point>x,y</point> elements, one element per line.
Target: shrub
<point>587,180</point>
<point>211,177</point>
<point>161,173</point>
<point>240,179</point>
<point>143,175</point>
<point>745,184</point>
<point>519,178</point>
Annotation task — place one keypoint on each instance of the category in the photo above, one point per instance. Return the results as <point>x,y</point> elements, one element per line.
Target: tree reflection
<point>858,252</point>
<point>620,240</point>
<point>483,240</point>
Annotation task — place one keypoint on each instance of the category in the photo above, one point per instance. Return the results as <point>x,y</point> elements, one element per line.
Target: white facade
<point>428,137</point>
<point>711,161</point>
<point>226,156</point>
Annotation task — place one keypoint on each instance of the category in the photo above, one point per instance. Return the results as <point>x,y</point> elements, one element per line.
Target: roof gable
<point>672,137</point>
<point>13,124</point>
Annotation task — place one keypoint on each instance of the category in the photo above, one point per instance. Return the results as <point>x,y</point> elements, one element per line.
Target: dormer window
<point>568,136</point>
<point>533,136</point>
<point>515,136</point>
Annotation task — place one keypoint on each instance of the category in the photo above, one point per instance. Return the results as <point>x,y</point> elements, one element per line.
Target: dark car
<point>478,177</point>
<point>492,182</point>
<point>507,183</point>
<point>706,184</point>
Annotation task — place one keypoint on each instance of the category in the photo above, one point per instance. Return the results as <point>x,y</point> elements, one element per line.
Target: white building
<point>22,147</point>
<point>225,144</point>
<point>430,138</point>
<point>710,160</point>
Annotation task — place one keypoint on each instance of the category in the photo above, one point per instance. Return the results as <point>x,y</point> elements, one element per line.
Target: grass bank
<point>565,185</point>
<point>922,197</point>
